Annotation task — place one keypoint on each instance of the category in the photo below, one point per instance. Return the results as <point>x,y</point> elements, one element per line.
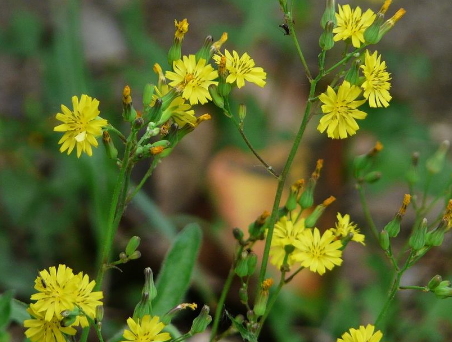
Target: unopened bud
<point>361,162</point>
<point>110,148</point>
<point>260,304</point>
<point>201,322</point>
<point>434,282</point>
<point>99,313</point>
<point>312,219</point>
<point>352,75</point>
<point>242,111</point>
<point>238,234</point>
<point>128,112</point>
<point>418,237</point>
<point>372,177</point>
<point>443,290</point>
<point>436,162</point>
<point>123,257</point>
<point>252,262</point>
<point>216,97</point>
<point>243,294</point>
<point>384,240</point>
<point>389,24</point>
<point>132,245</point>
<point>135,255</point>
<point>204,52</point>
<point>326,41</point>
<point>372,33</point>
<point>329,15</point>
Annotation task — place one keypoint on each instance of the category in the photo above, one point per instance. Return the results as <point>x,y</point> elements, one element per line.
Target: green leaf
<point>246,335</point>
<point>19,311</point>
<point>174,277</point>
<point>5,308</point>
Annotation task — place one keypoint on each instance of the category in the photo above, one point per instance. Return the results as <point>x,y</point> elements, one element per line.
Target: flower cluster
<point>64,300</point>
<point>340,104</point>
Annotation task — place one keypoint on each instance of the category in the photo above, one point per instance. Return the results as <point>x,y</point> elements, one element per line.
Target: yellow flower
<point>352,24</point>
<point>318,253</point>
<point>178,110</point>
<point>145,330</point>
<point>376,86</point>
<point>86,299</point>
<point>363,334</point>
<point>57,289</point>
<point>241,69</point>
<point>181,29</point>
<point>285,234</point>
<point>81,126</point>
<point>345,227</point>
<point>340,111</point>
<point>42,330</point>
<point>192,78</point>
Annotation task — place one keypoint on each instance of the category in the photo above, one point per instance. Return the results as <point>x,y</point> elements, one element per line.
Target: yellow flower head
<point>181,29</point>
<point>285,234</point>
<point>57,288</point>
<point>352,24</point>
<point>86,299</point>
<point>363,334</point>
<point>318,253</point>
<point>376,86</point>
<point>241,69</point>
<point>340,111</point>
<point>345,227</point>
<point>192,78</point>
<point>42,330</point>
<point>145,330</point>
<point>81,126</point>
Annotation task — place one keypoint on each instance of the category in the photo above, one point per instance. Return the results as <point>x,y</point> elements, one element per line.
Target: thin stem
<point>420,288</point>
<point>344,60</point>
<point>289,279</point>
<point>427,185</point>
<point>144,179</point>
<point>290,23</point>
<point>224,293</point>
<point>282,180</point>
<point>368,216</point>
<point>118,133</point>
<point>248,143</point>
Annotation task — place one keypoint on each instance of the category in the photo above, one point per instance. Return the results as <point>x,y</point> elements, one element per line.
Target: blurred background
<point>53,206</point>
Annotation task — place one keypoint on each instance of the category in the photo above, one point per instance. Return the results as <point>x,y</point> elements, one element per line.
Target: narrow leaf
<point>174,278</point>
<point>5,308</point>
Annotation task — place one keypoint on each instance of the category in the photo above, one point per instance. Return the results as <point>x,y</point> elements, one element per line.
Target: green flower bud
<point>363,161</point>
<point>372,33</point>
<point>238,234</point>
<point>153,114</point>
<point>149,292</point>
<point>201,322</point>
<point>329,14</point>
<point>243,294</point>
<point>393,227</point>
<point>204,52</point>
<point>418,236</point>
<point>110,148</point>
<point>384,240</point>
<point>252,262</point>
<point>148,92</point>
<point>372,177</point>
<point>241,269</point>
<point>174,53</point>
<point>307,197</point>
<point>352,75</point>
<point>389,24</point>
<point>128,112</point>
<point>260,303</point>
<point>99,315</point>
<point>436,162</point>
<point>435,237</point>
<point>443,290</point>
<point>123,257</point>
<point>135,255</point>
<point>326,41</point>
<point>434,282</point>
<point>138,123</point>
<point>242,111</point>
<point>312,219</point>
<point>132,245</point>
<point>216,97</point>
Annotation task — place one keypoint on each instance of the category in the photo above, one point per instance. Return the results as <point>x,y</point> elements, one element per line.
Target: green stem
<point>345,59</point>
<point>368,216</point>
<point>248,143</point>
<point>282,180</point>
<point>144,179</point>
<point>224,293</point>
<point>289,279</point>
<point>290,23</point>
<point>118,133</point>
<point>420,288</point>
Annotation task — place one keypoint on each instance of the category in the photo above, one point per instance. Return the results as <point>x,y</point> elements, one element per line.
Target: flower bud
<point>255,229</point>
<point>242,112</point>
<point>384,240</point>
<point>216,97</point>
<point>110,148</point>
<point>148,92</point>
<point>363,161</point>
<point>411,175</point>
<point>138,123</point>
<point>99,315</point>
<point>393,227</point>
<point>418,236</point>
<point>260,303</point>
<point>123,257</point>
<point>128,112</point>
<point>149,292</point>
<point>434,282</point>
<point>389,24</point>
<point>372,33</point>
<point>238,234</point>
<point>224,88</point>
<point>291,202</point>
<point>326,41</point>
<point>204,52</point>
<point>436,162</point>
<point>372,177</point>
<point>241,269</point>
<point>132,245</point>
<point>307,197</point>
<point>352,75</point>
<point>201,322</point>
<point>312,219</point>
<point>443,290</point>
<point>252,262</point>
<point>243,294</point>
<point>135,255</point>
<point>329,14</point>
